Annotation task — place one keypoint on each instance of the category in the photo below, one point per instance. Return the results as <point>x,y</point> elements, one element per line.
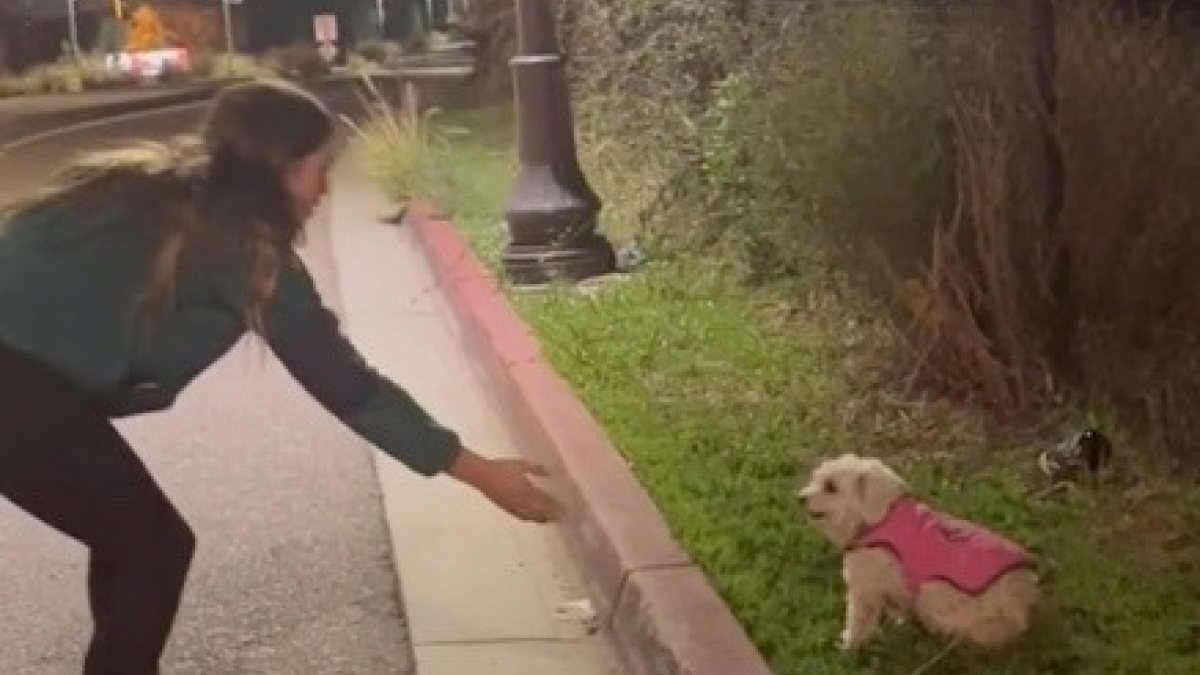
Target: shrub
<point>299,61</point>
<point>644,72</point>
<point>985,312</point>
<point>829,139</point>
<point>1131,215</point>
<point>380,51</point>
<point>98,75</point>
<point>223,65</point>
<point>405,151</point>
<point>63,77</point>
<point>895,155</point>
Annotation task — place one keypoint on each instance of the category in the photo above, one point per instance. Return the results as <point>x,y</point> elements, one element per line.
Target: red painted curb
<point>663,613</point>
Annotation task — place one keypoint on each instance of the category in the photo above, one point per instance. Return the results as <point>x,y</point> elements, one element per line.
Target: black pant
<point>62,461</point>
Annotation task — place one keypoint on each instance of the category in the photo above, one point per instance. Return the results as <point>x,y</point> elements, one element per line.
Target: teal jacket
<point>68,291</point>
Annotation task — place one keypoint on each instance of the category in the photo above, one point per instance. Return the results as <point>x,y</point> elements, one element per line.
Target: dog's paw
<point>847,641</point>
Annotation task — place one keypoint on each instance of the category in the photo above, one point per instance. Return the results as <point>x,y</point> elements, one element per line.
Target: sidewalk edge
<point>662,612</point>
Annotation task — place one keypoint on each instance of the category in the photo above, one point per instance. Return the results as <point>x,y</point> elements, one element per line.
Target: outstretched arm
<point>308,341</point>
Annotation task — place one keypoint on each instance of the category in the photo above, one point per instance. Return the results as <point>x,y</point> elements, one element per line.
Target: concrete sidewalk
<point>482,592</point>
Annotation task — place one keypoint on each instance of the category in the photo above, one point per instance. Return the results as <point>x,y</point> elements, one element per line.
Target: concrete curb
<point>661,610</point>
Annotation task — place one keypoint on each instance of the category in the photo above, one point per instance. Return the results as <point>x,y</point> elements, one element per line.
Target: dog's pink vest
<point>933,546</point>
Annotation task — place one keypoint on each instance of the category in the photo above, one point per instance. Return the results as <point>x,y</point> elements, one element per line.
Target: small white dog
<point>904,558</point>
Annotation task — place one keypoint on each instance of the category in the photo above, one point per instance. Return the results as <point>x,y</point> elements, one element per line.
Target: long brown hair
<point>223,185</point>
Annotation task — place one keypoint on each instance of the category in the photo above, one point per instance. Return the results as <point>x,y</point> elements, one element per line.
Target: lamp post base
<point>570,262</point>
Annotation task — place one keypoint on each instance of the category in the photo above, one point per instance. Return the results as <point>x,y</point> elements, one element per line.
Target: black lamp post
<point>551,213</point>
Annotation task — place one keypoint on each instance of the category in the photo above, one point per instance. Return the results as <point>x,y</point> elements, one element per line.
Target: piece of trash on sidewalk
<point>581,611</point>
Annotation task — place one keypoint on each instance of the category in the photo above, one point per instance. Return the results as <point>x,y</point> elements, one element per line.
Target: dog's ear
<point>877,487</point>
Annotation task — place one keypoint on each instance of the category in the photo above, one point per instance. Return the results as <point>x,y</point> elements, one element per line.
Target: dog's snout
<point>807,497</point>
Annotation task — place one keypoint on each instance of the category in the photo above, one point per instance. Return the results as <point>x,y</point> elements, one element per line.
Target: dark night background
<point>271,23</point>
<point>277,22</point>
<point>33,30</point>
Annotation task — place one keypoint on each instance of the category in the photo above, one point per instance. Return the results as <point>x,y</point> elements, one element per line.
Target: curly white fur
<point>848,494</point>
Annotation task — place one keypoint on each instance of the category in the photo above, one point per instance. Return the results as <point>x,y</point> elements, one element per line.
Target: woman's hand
<point>506,482</point>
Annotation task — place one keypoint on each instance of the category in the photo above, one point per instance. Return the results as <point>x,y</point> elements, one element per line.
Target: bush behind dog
<point>889,151</point>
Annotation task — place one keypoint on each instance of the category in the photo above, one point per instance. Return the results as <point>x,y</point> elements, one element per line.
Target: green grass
<point>721,398</point>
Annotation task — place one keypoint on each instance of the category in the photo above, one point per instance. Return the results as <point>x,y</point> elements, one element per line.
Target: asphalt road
<point>294,572</point>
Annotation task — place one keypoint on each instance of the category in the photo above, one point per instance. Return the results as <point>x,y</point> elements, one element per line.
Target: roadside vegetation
<point>849,250</point>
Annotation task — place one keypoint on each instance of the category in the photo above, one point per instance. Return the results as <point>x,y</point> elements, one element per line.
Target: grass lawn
<point>722,397</point>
